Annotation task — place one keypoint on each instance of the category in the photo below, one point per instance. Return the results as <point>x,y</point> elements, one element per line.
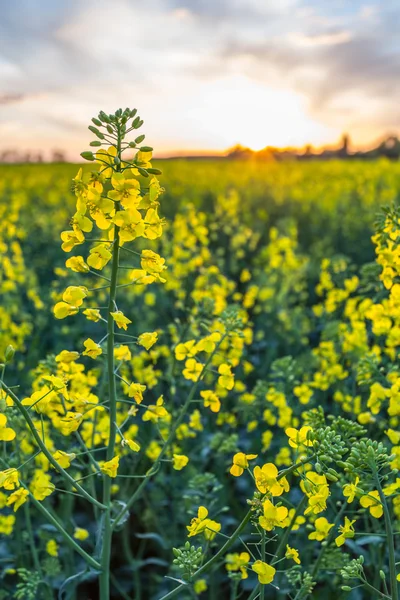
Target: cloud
<point>60,62</point>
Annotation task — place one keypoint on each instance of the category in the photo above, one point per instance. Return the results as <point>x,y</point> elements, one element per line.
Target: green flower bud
<point>146,149</point>
<point>95,143</point>
<point>140,138</point>
<point>346,588</point>
<point>154,171</point>
<point>143,172</point>
<point>9,353</point>
<point>87,155</point>
<point>96,122</point>
<point>96,132</point>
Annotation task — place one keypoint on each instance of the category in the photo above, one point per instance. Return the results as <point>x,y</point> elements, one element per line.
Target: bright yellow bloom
<point>179,461</point>
<point>18,498</point>
<point>71,239</point>
<point>202,524</point>
<point>132,445</point>
<point>9,479</point>
<point>192,370</point>
<point>77,264</point>
<point>92,314</point>
<point>152,263</point>
<point>63,458</point>
<point>147,340</point>
<point>238,562</point>
<point>98,257</point>
<point>52,548</point>
<point>226,378</point>
<point>322,529</point>
<point>293,554</point>
<point>240,463</point>
<point>122,353</point>
<point>156,411</point>
<point>41,485</point>
<point>266,480</point>
<point>110,467</point>
<point>91,349</point>
<point>265,572</point>
<point>7,434</point>
<point>372,501</point>
<point>70,422</point>
<point>274,516</point>
<point>211,400</point>
<point>185,350</point>
<point>200,586</point>
<point>121,320</point>
<point>350,490</point>
<point>63,310</point>
<point>136,392</point>
<point>81,534</point>
<point>298,437</point>
<point>346,532</point>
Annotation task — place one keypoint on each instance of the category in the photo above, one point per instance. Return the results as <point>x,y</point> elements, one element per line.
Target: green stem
<point>66,476</point>
<point>285,537</point>
<point>67,538</point>
<point>112,394</point>
<point>262,590</point>
<point>389,540</point>
<point>328,540</point>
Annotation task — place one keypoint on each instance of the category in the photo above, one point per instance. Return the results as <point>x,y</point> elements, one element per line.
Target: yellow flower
<point>77,264</point>
<point>152,263</point>
<point>136,392</point>
<point>350,490</point>
<point>372,501</point>
<point>238,562</point>
<point>18,498</point>
<point>122,353</point>
<point>91,348</point>
<point>71,239</point>
<point>63,458</point>
<point>274,516</point>
<point>200,586</point>
<point>70,422</point>
<point>6,433</point>
<point>9,479</point>
<point>240,463</point>
<point>226,378</point>
<point>63,310</point>
<point>293,554</point>
<point>110,467</point>
<point>185,350</point>
<point>322,529</point>
<point>92,314</point>
<point>156,411</point>
<point>52,548</point>
<point>98,257</point>
<point>147,340</point>
<point>132,445</point>
<point>179,461</point>
<point>41,485</point>
<point>265,572</point>
<point>346,532</point>
<point>211,400</point>
<point>192,370</point>
<point>81,534</point>
<point>202,524</point>
<point>266,480</point>
<point>298,437</point>
<point>121,320</point>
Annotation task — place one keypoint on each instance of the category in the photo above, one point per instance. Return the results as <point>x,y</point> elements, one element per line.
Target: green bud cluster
<point>231,319</point>
<point>187,559</point>
<point>115,127</point>
<point>223,443</point>
<point>302,581</point>
<point>367,457</point>
<point>314,418</point>
<point>328,445</point>
<point>354,569</point>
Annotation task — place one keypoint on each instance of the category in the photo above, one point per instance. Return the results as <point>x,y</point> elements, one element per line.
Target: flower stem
<point>389,540</point>
<point>112,393</point>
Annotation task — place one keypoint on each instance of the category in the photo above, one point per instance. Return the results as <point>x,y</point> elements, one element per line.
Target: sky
<point>204,74</point>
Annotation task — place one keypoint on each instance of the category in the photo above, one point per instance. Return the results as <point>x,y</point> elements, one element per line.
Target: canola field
<point>200,391</point>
